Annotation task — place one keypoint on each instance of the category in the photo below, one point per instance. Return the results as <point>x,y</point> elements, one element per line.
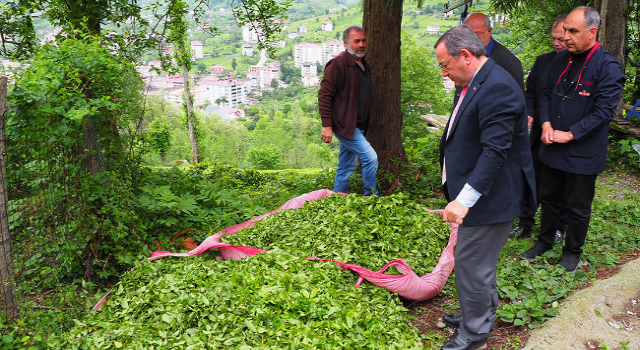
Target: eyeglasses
<point>444,64</point>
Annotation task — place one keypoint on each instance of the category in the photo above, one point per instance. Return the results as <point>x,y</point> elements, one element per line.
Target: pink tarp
<point>407,284</point>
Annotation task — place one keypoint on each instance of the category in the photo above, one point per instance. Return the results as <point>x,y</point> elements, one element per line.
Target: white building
<point>292,35</point>
<point>310,80</point>
<point>308,69</point>
<point>247,49</point>
<point>302,29</point>
<point>249,33</point>
<point>307,52</point>
<point>433,29</point>
<point>264,75</point>
<point>327,26</point>
<point>198,49</point>
<point>234,91</point>
<point>331,49</point>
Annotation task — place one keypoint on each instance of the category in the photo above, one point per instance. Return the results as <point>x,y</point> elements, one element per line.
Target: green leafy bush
<point>270,301</point>
<point>368,231</point>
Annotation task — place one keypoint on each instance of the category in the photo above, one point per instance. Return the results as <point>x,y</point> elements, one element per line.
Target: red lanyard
<point>593,50</point>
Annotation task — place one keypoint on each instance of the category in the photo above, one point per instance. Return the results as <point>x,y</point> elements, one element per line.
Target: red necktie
<point>451,120</point>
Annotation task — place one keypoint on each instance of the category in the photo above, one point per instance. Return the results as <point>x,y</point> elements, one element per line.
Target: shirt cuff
<point>468,196</point>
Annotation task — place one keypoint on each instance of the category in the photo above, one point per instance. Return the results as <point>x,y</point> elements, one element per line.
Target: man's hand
<point>327,133</point>
<point>530,121</point>
<point>562,136</point>
<point>454,212</point>
<point>547,133</point>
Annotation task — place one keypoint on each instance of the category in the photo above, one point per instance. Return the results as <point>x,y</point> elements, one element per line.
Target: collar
<point>476,73</point>
<point>489,46</point>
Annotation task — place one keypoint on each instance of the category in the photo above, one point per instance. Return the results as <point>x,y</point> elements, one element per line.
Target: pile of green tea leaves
<point>273,300</point>
<point>367,231</point>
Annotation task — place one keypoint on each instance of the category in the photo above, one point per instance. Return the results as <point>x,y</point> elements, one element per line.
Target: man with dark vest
<point>486,170</point>
<point>537,78</point>
<point>344,103</point>
<point>579,99</point>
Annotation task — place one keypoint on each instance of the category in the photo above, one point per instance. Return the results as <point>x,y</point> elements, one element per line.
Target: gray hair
<point>591,16</point>
<point>558,20</point>
<point>462,37</point>
<point>345,34</point>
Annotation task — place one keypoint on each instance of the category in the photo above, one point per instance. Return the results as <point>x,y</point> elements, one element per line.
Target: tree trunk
<point>612,32</point>
<point>164,159</point>
<point>90,161</point>
<point>613,27</point>
<point>8,302</point>
<point>382,21</point>
<point>195,153</point>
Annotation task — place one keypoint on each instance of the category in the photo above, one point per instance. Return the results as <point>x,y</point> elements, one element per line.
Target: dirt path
<point>607,312</point>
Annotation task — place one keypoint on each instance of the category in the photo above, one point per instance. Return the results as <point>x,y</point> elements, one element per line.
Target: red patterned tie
<point>451,120</point>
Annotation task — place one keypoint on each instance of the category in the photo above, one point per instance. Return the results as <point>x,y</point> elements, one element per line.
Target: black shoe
<point>571,262</point>
<point>535,251</point>
<point>460,342</point>
<point>452,320</point>
<point>524,234</point>
<point>559,236</point>
<point>516,231</point>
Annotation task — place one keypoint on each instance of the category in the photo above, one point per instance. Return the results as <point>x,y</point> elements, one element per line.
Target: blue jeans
<point>350,150</point>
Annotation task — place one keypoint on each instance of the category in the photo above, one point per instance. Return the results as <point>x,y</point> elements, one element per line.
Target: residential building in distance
<point>302,29</point>
<point>308,69</point>
<point>331,49</point>
<point>230,113</point>
<point>217,69</point>
<point>264,75</point>
<point>307,52</point>
<point>327,26</point>
<point>310,80</point>
<point>198,49</point>
<point>249,32</point>
<point>247,49</point>
<point>234,91</point>
<point>292,35</point>
<point>433,29</point>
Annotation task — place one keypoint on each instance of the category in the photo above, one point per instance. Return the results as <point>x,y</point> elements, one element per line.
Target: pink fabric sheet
<point>407,284</point>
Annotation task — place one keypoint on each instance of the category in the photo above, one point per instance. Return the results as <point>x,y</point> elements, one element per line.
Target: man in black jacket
<point>481,25</point>
<point>535,81</point>
<point>579,99</point>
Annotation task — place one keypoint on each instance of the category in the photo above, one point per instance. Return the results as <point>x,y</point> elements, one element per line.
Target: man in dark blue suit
<point>486,171</point>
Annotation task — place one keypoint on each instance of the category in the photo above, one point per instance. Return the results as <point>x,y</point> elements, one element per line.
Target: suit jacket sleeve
<point>496,121</point>
<point>532,89</point>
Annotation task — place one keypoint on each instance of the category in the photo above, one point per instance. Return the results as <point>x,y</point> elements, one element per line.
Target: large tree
<point>382,21</point>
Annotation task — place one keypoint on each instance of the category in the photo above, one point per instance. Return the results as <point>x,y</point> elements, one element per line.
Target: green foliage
<point>621,155</point>
<point>533,291</point>
<point>264,158</point>
<point>270,301</point>
<point>159,136</point>
<point>530,24</point>
<point>368,231</point>
<point>15,19</point>
<point>271,14</point>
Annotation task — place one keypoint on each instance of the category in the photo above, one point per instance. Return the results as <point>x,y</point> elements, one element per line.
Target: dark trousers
<point>576,192</point>
<point>529,206</point>
<point>476,257</point>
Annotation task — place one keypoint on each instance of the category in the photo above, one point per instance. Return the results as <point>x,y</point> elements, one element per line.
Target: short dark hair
<point>558,20</point>
<point>591,16</point>
<point>345,34</point>
<point>462,37</point>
